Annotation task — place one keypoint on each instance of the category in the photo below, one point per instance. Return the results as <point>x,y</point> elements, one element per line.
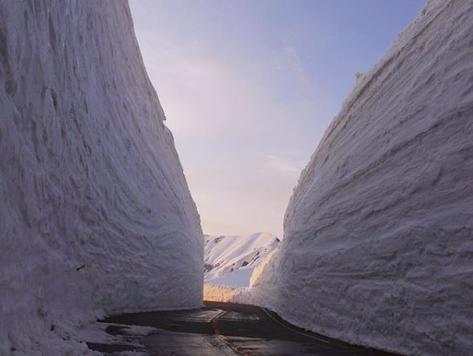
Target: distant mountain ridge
<point>230,260</point>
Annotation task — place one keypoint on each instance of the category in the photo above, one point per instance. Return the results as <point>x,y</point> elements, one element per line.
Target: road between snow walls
<point>96,216</point>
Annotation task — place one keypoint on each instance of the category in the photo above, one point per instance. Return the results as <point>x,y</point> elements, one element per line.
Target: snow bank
<point>216,293</point>
<point>378,246</point>
<point>230,260</point>
<point>96,215</point>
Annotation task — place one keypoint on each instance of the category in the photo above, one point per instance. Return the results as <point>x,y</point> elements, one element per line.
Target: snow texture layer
<point>96,215</point>
<point>230,260</point>
<point>378,246</point>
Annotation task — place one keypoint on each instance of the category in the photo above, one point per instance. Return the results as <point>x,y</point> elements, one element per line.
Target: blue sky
<point>249,87</point>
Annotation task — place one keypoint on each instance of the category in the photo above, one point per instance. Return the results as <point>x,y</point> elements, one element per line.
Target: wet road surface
<point>218,329</point>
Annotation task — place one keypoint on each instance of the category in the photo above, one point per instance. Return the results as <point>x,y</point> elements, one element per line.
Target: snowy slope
<point>378,245</point>
<point>96,215</point>
<point>230,260</point>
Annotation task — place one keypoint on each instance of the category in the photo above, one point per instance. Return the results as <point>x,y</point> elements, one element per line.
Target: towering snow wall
<point>378,245</point>
<point>95,212</point>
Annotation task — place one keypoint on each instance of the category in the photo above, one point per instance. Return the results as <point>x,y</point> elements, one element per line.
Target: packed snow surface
<point>378,245</point>
<point>96,216</point>
<point>230,260</point>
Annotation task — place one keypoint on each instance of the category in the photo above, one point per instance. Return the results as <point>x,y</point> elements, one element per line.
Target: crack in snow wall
<point>378,246</point>
<point>95,214</point>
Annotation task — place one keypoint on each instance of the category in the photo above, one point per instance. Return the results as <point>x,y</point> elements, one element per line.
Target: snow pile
<point>230,260</point>
<point>96,215</point>
<point>378,246</point>
<point>216,293</point>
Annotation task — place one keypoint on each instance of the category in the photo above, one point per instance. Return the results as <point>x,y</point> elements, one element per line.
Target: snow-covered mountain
<point>230,260</point>
<point>378,245</point>
<point>95,208</point>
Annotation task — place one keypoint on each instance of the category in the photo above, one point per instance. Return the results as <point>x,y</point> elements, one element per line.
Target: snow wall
<point>95,215</point>
<point>378,246</point>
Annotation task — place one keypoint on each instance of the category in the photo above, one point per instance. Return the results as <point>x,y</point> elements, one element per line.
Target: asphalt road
<point>218,329</point>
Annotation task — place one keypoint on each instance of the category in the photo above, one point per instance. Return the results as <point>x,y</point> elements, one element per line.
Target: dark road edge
<point>276,318</point>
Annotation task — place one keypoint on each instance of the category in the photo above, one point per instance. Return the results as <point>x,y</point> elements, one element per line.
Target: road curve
<point>218,329</point>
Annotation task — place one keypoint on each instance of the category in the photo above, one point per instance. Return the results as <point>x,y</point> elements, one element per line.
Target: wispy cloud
<point>294,64</point>
<point>282,165</point>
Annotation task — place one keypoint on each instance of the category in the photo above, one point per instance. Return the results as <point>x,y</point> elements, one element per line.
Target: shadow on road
<point>219,329</point>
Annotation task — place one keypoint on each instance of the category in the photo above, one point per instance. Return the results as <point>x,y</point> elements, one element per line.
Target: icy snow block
<point>95,211</point>
<point>378,246</point>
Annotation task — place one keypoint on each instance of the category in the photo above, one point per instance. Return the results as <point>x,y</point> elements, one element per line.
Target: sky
<point>249,87</point>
